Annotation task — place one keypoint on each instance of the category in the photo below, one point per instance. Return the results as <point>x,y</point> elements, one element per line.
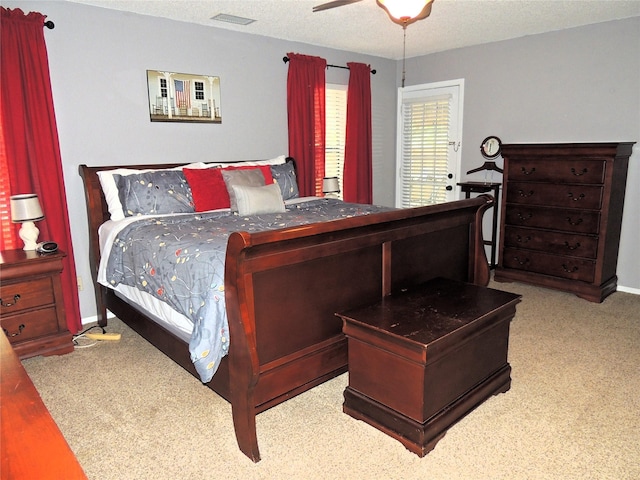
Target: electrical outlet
<point>80,286</point>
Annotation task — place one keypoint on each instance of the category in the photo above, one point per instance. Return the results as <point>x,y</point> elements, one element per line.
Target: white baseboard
<point>635,291</point>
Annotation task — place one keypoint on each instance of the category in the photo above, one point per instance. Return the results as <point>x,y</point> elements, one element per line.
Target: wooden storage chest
<point>421,360</point>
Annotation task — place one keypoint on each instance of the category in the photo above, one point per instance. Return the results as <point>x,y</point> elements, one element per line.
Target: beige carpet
<point>573,411</point>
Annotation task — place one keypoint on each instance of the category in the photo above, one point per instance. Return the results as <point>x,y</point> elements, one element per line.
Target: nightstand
<point>32,311</point>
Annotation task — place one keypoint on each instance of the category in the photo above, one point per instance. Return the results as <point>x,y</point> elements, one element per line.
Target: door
<point>429,139</point>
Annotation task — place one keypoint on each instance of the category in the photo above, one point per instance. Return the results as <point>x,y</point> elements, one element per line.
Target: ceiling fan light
<point>404,12</point>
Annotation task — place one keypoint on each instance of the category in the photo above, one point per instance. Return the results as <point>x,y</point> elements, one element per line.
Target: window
<point>429,132</point>
<point>336,125</point>
<point>199,87</point>
<point>163,87</point>
<point>7,240</point>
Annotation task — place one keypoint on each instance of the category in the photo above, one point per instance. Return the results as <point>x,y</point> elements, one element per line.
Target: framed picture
<point>181,97</point>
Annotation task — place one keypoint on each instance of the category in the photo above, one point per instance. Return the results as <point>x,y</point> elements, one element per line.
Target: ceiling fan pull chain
<point>404,52</point>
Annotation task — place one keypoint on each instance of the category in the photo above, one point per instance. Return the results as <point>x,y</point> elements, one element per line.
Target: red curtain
<point>31,137</point>
<point>357,183</point>
<point>306,114</point>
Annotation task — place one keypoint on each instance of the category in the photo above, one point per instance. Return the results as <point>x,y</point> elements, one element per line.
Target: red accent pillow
<point>208,188</point>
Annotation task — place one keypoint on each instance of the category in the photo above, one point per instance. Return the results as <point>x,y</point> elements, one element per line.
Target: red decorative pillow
<point>209,190</point>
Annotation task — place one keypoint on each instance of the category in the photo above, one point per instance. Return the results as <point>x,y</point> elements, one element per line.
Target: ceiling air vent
<point>223,17</point>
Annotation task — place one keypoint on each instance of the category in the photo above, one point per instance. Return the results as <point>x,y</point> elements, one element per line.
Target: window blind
<point>424,150</point>
<point>7,241</point>
<point>336,127</point>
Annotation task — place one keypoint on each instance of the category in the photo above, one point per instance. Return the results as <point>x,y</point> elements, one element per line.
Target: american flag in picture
<point>183,93</point>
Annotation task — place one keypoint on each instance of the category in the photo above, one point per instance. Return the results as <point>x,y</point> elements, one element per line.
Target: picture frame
<point>183,97</point>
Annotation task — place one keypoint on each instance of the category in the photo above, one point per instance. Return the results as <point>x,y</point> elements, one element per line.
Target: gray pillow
<point>285,177</point>
<point>248,178</point>
<point>154,193</point>
<point>259,200</point>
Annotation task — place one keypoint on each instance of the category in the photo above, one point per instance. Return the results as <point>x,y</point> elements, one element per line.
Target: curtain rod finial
<point>49,24</point>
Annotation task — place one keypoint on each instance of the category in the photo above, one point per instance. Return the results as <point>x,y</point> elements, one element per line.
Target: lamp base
<point>29,235</point>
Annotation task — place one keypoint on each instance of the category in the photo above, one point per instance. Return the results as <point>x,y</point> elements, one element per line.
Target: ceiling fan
<point>402,12</point>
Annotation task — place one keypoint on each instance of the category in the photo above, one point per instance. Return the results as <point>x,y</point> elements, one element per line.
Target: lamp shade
<point>404,12</point>
<point>25,208</point>
<point>330,185</point>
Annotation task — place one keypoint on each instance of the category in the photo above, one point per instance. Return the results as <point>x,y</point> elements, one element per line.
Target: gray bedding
<point>179,259</point>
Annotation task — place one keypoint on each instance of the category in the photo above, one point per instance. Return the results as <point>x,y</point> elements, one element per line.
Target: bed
<point>282,288</point>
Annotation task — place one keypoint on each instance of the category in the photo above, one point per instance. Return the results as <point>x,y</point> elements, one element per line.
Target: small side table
<point>484,187</point>
<point>32,311</point>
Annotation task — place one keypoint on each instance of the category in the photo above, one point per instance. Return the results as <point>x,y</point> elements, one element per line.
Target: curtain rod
<point>49,24</point>
<point>286,59</point>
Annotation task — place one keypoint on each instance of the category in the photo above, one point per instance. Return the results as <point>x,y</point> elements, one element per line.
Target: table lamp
<point>26,209</point>
<point>330,187</point>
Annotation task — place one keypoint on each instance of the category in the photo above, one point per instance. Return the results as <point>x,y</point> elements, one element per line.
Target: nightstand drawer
<point>29,325</point>
<point>21,296</point>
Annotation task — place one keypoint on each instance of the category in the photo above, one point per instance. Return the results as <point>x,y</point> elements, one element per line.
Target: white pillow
<point>258,200</point>
<point>110,189</point>
<point>273,161</point>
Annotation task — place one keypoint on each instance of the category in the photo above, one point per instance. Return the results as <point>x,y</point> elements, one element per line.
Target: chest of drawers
<point>561,215</point>
<point>31,304</point>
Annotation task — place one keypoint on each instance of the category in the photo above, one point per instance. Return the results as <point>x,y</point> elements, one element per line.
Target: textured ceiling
<point>364,27</point>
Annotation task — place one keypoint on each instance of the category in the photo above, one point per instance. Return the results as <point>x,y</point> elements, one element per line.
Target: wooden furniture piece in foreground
<point>31,304</point>
<point>283,287</point>
<point>32,446</point>
<point>562,214</point>
<point>421,360</point>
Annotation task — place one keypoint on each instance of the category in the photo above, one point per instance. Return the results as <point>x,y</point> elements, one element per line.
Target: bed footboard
<point>284,287</point>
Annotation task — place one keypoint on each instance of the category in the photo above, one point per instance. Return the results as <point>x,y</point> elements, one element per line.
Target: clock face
<point>491,147</point>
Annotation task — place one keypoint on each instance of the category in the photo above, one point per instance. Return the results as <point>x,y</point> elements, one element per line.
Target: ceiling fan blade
<point>334,4</point>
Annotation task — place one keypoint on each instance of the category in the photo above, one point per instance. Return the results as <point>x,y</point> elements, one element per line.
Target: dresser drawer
<point>551,242</point>
<point>567,220</point>
<point>561,195</point>
<point>20,296</point>
<point>29,325</point>
<point>557,170</point>
<point>554,265</point>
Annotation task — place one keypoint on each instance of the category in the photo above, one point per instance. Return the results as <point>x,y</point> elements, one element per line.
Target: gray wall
<point>98,60</point>
<point>575,85</point>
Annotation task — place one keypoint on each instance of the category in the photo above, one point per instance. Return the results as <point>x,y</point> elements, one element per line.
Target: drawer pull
<point>522,262</point>
<point>579,174</point>
<point>574,198</point>
<point>521,239</point>
<point>524,194</point>
<point>569,270</point>
<point>524,218</point>
<point>20,328</point>
<point>575,247</point>
<point>16,297</point>
<point>576,223</point>
<point>527,172</point>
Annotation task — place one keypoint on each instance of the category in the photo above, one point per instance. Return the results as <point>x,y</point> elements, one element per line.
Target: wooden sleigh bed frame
<point>283,288</point>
